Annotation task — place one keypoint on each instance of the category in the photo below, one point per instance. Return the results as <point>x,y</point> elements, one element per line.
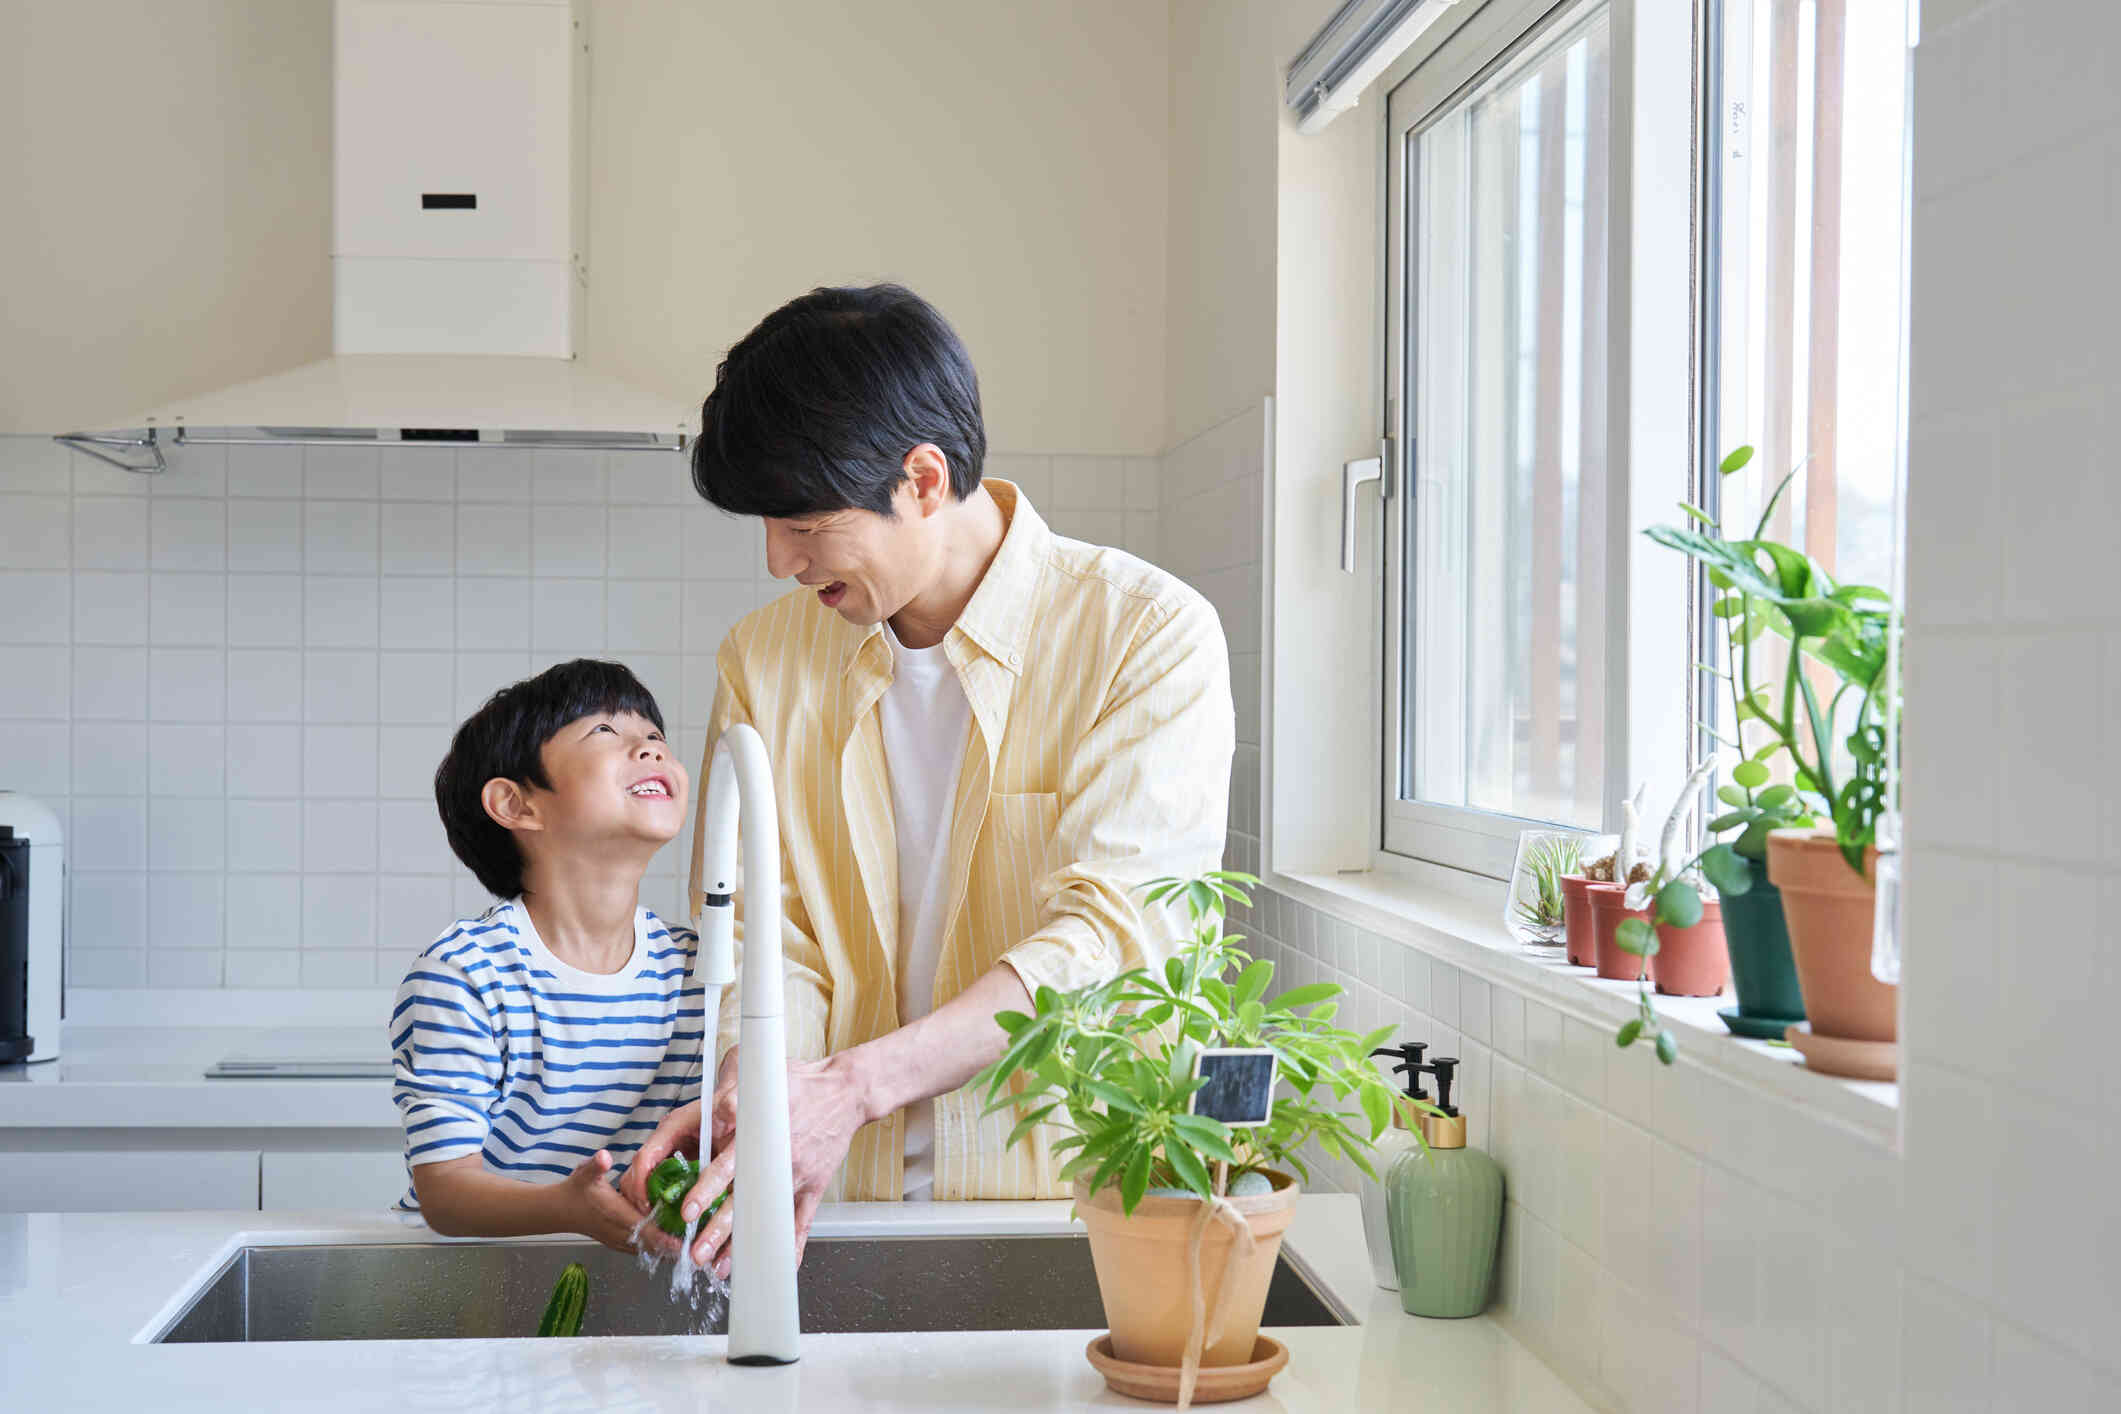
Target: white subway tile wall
<point>2013,655</point>
<point>234,681</point>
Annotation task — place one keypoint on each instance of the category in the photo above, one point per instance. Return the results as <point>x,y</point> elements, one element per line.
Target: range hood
<point>459,279</point>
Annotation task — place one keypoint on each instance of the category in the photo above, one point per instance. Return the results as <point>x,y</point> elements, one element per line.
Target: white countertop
<point>154,1078</point>
<point>79,1294</point>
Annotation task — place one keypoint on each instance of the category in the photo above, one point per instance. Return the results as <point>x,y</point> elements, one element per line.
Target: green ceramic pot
<point>1762,969</point>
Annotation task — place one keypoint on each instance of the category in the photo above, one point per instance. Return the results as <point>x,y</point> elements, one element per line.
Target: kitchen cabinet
<point>127,1180</point>
<point>362,1180</point>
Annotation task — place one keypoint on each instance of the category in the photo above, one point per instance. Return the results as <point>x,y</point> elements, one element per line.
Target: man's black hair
<point>503,739</point>
<point>816,408</point>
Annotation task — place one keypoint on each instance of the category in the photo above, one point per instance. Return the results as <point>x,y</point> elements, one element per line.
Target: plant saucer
<point>1216,1384</point>
<point>1757,1028</point>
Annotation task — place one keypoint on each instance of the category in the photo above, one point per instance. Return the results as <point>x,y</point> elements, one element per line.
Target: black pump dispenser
<point>1409,1053</point>
<point>1444,1068</point>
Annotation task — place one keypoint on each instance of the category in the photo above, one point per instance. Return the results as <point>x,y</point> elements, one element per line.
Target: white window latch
<point>1353,477</point>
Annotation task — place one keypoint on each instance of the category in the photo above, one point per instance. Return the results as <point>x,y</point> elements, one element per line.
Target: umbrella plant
<point>1113,1064</point>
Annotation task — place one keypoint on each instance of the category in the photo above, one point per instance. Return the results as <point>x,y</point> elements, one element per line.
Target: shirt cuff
<point>1065,955</point>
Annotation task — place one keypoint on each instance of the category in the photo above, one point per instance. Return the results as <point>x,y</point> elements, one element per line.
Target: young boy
<point>538,1044</point>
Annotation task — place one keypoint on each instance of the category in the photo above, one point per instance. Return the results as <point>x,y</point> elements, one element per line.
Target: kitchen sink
<point>456,1291</point>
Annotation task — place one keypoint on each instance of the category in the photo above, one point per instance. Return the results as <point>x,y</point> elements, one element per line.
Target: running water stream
<point>697,1286</point>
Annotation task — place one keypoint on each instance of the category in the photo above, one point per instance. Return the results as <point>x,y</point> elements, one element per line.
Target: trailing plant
<point>1672,897</point>
<point>1545,863</point>
<point>1113,1064</point>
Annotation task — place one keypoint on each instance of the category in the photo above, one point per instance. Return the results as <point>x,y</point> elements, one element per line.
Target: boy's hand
<point>596,1210</point>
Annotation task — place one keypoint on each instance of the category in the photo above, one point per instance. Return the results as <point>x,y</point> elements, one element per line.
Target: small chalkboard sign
<point>1240,1088</point>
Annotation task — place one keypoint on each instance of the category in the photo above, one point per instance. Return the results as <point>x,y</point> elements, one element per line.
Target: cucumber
<point>668,1183</point>
<point>570,1297</point>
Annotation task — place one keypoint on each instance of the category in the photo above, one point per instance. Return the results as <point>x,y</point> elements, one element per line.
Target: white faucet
<point>765,1326</point>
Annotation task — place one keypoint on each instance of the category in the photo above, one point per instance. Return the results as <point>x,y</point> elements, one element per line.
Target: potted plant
<point>1610,898</point>
<point>1186,1212</point>
<point>1826,878</point>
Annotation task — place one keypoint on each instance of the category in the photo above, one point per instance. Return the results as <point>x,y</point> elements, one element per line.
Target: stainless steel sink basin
<point>437,1291</point>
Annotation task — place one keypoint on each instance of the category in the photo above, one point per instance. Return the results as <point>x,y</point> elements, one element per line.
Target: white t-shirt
<point>925,717</point>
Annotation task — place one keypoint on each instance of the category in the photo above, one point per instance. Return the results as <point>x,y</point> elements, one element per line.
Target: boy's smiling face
<point>614,779</point>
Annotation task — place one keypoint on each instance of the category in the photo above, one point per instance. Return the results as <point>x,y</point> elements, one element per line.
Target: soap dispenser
<point>1376,1229</point>
<point>1444,1209</point>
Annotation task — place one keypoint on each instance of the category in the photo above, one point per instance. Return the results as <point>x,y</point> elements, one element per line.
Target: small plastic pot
<point>1576,922</point>
<point>1692,962</point>
<point>1608,908</point>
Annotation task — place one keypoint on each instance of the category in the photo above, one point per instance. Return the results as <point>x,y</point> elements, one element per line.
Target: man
<point>984,739</point>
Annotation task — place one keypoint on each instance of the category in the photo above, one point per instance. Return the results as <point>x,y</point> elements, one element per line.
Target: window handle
<point>1353,476</point>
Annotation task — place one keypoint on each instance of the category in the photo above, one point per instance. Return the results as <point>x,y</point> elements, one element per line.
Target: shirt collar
<point>998,619</point>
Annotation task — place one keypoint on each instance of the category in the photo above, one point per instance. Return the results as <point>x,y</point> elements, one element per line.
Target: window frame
<point>1653,337</point>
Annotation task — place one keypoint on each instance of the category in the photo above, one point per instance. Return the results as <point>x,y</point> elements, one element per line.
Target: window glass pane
<point>1808,319</point>
<point>1505,617</point>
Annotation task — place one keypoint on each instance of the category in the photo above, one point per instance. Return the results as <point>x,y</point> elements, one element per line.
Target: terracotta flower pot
<point>1692,962</point>
<point>1830,910</point>
<point>1608,907</point>
<point>1146,1279</point>
<point>1576,922</point>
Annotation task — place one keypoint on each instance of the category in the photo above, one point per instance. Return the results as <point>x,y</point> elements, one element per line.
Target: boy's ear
<point>509,805</point>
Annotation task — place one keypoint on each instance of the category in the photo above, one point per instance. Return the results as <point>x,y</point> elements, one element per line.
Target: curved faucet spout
<point>765,1325</point>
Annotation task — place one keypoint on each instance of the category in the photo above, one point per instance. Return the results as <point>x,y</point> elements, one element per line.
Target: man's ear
<point>509,805</point>
<point>929,471</point>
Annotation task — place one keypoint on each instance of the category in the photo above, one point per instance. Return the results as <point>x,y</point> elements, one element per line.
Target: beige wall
<point>1225,91</point>
<point>170,160</point>
<point>166,166</point>
<point>1225,109</point>
<point>1006,160</point>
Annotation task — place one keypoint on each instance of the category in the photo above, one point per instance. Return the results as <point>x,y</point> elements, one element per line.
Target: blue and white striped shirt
<point>502,1050</point>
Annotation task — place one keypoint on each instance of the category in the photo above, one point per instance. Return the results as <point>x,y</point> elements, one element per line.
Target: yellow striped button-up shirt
<point>1098,758</point>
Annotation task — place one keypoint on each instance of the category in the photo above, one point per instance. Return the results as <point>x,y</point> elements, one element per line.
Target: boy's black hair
<point>816,408</point>
<point>503,739</point>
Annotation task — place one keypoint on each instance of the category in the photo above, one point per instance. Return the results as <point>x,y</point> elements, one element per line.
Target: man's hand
<point>828,1101</point>
<point>825,1108</point>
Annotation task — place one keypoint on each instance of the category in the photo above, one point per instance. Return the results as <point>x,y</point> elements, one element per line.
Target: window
<point>1540,661</point>
<point>1499,350</point>
<point>1806,309</point>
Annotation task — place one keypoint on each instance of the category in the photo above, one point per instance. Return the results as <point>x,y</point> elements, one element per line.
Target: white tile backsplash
<point>185,759</point>
<point>340,611</point>
<point>418,538</point>
<point>264,536</point>
<point>187,609</point>
<point>109,683</point>
<point>237,679</point>
<point>339,537</point>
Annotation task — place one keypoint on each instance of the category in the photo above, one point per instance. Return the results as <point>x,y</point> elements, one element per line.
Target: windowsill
<point>1456,918</point>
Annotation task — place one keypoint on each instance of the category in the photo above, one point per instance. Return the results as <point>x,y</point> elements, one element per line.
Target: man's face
<point>614,780</point>
<point>862,566</point>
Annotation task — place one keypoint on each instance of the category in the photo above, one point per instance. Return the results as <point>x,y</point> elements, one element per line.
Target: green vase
<point>1762,969</point>
<point>1445,1211</point>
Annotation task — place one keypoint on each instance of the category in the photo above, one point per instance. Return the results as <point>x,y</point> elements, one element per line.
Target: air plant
<point>1546,860</point>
